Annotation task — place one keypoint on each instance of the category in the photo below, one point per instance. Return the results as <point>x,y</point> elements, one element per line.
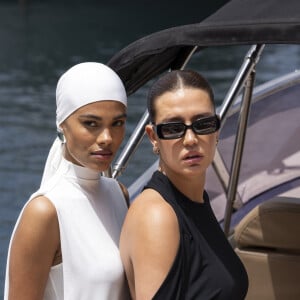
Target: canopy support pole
<point>238,150</point>
<point>136,137</point>
<point>251,59</point>
<point>131,146</point>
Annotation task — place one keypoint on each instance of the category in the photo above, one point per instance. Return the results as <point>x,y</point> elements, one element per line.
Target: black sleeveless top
<point>206,267</point>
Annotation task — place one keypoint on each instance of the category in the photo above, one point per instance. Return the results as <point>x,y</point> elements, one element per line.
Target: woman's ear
<point>60,134</point>
<point>149,129</point>
<point>152,137</point>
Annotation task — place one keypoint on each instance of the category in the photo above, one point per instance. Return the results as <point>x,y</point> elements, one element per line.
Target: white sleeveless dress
<point>90,211</point>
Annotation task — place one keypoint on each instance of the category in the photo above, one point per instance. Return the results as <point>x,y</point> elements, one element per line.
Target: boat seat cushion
<point>268,243</point>
<point>274,224</point>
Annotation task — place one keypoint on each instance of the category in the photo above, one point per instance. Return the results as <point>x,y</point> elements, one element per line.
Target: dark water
<point>38,44</point>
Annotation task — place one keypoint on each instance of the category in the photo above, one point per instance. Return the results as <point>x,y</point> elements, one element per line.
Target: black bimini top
<point>239,22</point>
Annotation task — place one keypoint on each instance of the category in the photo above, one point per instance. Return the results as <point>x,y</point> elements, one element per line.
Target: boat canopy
<point>239,22</point>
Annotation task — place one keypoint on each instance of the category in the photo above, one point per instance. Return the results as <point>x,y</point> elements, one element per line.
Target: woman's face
<point>94,133</point>
<point>191,154</point>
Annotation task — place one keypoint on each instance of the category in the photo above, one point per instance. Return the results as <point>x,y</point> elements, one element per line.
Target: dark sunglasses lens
<point>206,125</point>
<point>172,130</point>
<point>202,126</point>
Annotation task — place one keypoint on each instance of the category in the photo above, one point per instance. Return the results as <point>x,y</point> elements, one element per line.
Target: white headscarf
<point>82,84</point>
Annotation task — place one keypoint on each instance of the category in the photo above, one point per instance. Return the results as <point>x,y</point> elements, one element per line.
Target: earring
<point>155,150</point>
<point>161,170</point>
<point>61,136</point>
<point>217,141</point>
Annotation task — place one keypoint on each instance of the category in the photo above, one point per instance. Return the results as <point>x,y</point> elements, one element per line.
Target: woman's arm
<point>33,249</point>
<point>149,243</point>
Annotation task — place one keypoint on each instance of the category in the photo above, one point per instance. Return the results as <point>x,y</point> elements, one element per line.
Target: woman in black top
<point>171,244</point>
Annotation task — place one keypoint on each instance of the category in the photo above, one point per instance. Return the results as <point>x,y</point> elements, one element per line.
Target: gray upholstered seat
<point>268,242</point>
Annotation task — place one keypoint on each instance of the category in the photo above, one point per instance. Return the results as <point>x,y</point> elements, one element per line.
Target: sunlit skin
<point>150,235</point>
<point>93,134</point>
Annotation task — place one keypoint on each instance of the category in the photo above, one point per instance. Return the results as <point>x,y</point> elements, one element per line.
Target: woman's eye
<point>119,123</point>
<point>90,123</point>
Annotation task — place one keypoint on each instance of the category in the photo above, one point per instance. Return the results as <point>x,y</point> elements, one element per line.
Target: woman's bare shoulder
<point>151,205</point>
<point>39,220</point>
<point>40,208</point>
<point>150,215</point>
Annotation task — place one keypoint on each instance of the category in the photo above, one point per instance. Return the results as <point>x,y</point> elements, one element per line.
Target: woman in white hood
<point>65,242</point>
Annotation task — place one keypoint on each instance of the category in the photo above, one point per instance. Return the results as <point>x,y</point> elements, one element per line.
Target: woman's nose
<point>104,137</point>
<point>190,137</point>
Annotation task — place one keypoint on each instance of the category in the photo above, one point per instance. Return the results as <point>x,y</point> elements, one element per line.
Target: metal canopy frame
<point>229,179</point>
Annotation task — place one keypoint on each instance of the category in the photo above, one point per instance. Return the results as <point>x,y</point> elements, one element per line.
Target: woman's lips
<point>102,154</point>
<point>193,157</point>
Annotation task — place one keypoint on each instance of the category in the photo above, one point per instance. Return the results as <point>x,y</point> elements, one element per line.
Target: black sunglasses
<point>176,130</point>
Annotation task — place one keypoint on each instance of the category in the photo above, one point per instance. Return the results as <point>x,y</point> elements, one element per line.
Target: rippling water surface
<point>37,45</point>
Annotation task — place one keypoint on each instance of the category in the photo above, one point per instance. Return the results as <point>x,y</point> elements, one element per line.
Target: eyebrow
<point>90,116</point>
<point>180,119</point>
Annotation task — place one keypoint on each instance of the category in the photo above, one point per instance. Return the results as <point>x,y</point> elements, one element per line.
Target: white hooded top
<point>90,208</point>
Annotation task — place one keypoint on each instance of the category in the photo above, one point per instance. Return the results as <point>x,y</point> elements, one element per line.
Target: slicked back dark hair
<point>173,81</point>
